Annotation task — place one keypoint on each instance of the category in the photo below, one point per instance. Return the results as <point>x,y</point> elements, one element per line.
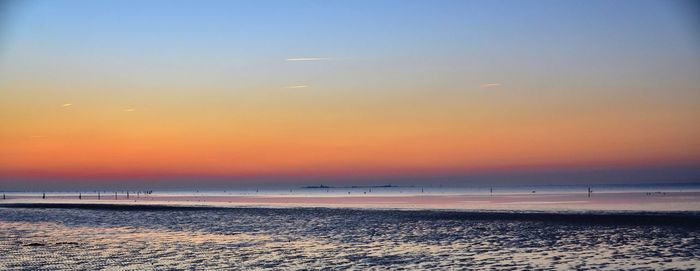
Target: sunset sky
<point>219,93</point>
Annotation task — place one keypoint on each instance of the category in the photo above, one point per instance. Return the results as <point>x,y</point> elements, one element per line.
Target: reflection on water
<point>660,197</point>
<point>62,239</point>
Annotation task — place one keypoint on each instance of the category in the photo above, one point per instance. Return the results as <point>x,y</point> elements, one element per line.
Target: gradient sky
<point>178,93</point>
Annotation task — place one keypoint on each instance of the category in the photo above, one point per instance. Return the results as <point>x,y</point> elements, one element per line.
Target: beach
<point>197,238</point>
<point>390,231</point>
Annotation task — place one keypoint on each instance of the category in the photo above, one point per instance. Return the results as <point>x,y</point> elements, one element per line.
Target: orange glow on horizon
<point>145,142</point>
<point>345,89</point>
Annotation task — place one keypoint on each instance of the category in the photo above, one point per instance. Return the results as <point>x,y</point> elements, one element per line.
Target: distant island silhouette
<point>355,186</point>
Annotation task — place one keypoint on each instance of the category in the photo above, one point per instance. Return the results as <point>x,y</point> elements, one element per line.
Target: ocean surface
<point>396,230</point>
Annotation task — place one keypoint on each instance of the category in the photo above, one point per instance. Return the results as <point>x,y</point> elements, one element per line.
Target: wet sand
<point>162,237</point>
<point>316,230</point>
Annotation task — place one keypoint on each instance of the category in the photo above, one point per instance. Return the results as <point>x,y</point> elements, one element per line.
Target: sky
<point>247,93</point>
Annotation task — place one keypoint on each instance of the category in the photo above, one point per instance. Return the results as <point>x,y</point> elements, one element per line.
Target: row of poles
<point>146,193</point>
<point>100,195</point>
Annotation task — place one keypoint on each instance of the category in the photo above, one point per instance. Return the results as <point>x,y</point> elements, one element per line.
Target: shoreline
<point>571,203</point>
<point>650,218</point>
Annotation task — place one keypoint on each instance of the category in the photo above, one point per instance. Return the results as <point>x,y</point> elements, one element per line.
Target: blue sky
<point>407,90</point>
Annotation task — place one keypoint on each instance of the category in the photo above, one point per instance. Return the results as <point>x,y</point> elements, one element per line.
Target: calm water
<point>143,238</point>
<point>646,197</point>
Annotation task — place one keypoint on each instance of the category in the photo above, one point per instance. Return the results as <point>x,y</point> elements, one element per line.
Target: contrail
<point>308,59</point>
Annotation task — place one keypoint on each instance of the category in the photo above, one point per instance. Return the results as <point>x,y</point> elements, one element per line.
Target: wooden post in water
<point>115,195</point>
<point>491,191</point>
<point>43,196</point>
<point>589,191</point>
<point>127,194</point>
<point>80,195</point>
<point>98,195</point>
<point>3,195</point>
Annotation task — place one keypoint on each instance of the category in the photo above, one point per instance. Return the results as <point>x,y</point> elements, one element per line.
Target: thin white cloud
<point>490,85</point>
<point>308,58</point>
<point>296,86</point>
<point>66,105</point>
<point>129,110</point>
